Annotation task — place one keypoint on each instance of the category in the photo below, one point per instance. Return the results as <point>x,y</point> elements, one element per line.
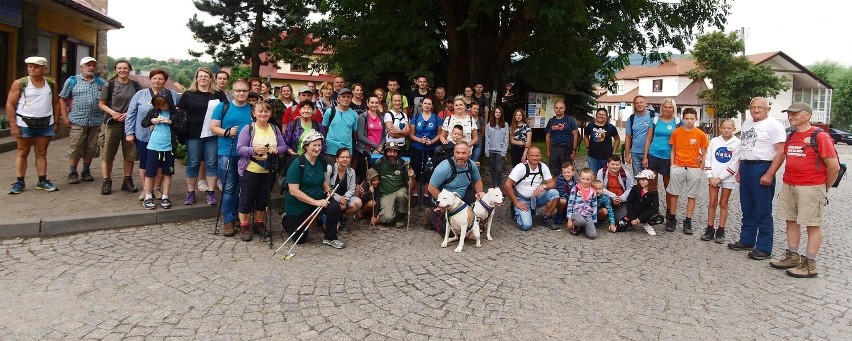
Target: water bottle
<point>3,122</point>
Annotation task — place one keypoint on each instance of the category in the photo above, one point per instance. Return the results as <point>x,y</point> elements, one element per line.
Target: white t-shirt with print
<point>759,139</point>
<point>468,124</point>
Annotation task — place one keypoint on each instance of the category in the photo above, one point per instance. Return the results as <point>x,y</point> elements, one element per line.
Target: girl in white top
<point>720,166</point>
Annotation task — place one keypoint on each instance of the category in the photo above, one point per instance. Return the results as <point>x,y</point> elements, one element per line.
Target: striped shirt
<point>84,109</point>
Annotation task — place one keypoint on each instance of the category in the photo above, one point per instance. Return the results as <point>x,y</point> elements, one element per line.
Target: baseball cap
<point>344,91</point>
<point>36,60</point>
<point>305,89</point>
<point>87,60</point>
<point>798,107</point>
<point>645,174</point>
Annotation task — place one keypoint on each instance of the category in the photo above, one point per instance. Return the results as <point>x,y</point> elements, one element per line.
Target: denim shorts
<point>27,132</point>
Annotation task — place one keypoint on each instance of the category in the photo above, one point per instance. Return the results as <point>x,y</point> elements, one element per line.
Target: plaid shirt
<point>84,109</point>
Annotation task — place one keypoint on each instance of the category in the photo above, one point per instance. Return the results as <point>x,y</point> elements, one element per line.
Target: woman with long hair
<point>496,141</point>
<point>425,132</point>
<point>198,102</point>
<point>520,136</point>
<point>658,151</point>
<point>381,94</point>
<point>358,103</point>
<point>371,137</point>
<point>324,101</point>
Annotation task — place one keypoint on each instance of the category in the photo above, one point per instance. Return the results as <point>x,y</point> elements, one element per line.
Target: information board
<point>540,108</point>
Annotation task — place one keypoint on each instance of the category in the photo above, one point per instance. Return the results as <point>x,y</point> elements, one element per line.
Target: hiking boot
<point>190,198</point>
<point>73,178</point>
<point>260,229</point>
<point>211,198</point>
<point>709,233</point>
<point>687,226</point>
<point>720,236</point>
<point>245,233</point>
<point>228,229</point>
<point>334,243</point>
<point>671,222</point>
<point>399,224</point>
<point>158,193</point>
<point>149,204</point>
<point>46,185</point>
<point>87,176</point>
<point>649,229</point>
<point>790,260</point>
<point>165,203</point>
<point>759,255</point>
<point>740,247</point>
<point>106,187</point>
<point>806,269</point>
<point>128,185</point>
<point>548,223</point>
<point>17,187</point>
<point>201,185</point>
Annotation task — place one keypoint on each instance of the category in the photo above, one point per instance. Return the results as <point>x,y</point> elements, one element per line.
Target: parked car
<point>840,136</point>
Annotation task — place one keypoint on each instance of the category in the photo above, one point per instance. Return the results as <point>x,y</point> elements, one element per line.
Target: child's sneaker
<point>649,229</point>
<point>165,203</point>
<point>149,204</point>
<point>709,233</point>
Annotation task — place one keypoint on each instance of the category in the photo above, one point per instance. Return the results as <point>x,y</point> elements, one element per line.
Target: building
<point>671,80</point>
<point>63,31</point>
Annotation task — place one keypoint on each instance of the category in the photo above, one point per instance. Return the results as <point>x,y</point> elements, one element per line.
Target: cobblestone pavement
<point>178,281</point>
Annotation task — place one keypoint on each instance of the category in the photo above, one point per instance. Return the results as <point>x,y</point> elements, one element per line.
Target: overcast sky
<point>808,31</point>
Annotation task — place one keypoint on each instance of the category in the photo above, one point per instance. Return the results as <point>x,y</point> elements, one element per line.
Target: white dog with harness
<point>458,217</point>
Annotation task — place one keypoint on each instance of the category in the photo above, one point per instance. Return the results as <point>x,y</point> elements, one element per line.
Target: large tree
<point>551,43</point>
<point>244,29</point>
<point>840,77</point>
<point>736,80</point>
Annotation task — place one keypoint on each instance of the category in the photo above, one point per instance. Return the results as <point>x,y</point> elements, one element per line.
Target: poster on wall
<point>540,108</point>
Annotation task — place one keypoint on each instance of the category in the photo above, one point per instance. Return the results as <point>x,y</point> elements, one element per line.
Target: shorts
<point>686,181</point>
<point>111,136</point>
<point>142,152</point>
<point>155,159</point>
<point>661,166</point>
<point>27,132</point>
<point>802,204</point>
<point>83,142</point>
<point>728,184</point>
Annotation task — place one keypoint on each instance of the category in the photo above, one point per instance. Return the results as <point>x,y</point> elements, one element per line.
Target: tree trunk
<point>255,45</point>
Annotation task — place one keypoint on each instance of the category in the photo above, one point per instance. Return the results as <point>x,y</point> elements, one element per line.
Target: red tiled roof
<point>628,97</point>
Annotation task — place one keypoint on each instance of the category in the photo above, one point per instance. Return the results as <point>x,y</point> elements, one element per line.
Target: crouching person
<point>393,187</point>
<point>529,186</point>
<point>259,145</point>
<point>308,190</point>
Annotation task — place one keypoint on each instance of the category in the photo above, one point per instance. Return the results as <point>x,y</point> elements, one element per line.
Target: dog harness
<point>486,207</point>
<point>462,207</point>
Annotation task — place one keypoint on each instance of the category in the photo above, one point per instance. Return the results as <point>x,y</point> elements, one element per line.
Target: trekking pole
<point>310,219</point>
<point>224,182</point>
<point>408,213</point>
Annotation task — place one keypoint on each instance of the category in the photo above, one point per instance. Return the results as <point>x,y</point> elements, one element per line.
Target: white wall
<point>671,86</point>
<point>783,100</point>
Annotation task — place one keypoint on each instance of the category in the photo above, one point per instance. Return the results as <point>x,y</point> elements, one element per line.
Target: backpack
<point>656,119</point>
<point>302,161</point>
<point>26,81</point>
<point>630,119</point>
<point>111,86</point>
<point>455,172</point>
<point>72,81</point>
<point>441,153</point>
<point>815,146</point>
<point>529,172</point>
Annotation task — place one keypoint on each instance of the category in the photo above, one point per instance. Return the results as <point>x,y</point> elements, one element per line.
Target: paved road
<point>177,281</point>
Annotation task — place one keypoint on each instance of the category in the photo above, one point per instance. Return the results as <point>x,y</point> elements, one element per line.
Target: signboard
<point>540,108</point>
<point>10,12</point>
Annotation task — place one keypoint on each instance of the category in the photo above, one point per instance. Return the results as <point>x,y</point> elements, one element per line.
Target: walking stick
<point>305,224</point>
<point>410,182</point>
<point>224,182</point>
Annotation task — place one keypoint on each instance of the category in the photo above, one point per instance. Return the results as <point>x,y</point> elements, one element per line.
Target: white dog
<point>460,219</point>
<point>483,209</point>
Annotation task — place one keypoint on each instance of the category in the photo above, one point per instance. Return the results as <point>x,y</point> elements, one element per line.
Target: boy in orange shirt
<point>689,148</point>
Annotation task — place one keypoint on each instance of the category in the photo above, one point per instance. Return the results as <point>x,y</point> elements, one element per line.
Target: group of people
<point>366,155</point>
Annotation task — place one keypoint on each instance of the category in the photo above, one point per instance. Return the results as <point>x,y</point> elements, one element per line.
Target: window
<point>45,47</point>
<point>658,85</point>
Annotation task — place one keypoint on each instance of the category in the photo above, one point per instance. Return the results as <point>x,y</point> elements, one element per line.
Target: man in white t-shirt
<point>532,180</point>
<point>761,154</point>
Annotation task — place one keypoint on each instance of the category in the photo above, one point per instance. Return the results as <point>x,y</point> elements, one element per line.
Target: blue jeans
<point>230,188</point>
<point>756,202</point>
<point>477,152</point>
<point>596,164</point>
<point>636,159</point>
<point>197,150</point>
<point>525,218</point>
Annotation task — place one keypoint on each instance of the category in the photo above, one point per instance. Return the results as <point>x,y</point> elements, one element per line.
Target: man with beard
<point>393,185</point>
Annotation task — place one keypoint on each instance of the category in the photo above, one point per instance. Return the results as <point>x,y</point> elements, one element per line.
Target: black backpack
<point>455,172</point>
<point>528,173</point>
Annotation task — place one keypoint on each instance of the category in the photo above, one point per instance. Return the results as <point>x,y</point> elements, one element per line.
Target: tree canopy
<point>840,77</point>
<point>244,29</point>
<point>549,44</point>
<point>180,71</point>
<point>736,80</point>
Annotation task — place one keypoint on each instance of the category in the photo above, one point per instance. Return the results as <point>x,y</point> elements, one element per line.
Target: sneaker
<point>709,233</point>
<point>671,222</point>
<point>73,178</point>
<point>228,229</point>
<point>201,185</point>
<point>106,187</point>
<point>158,193</point>
<point>211,198</point>
<point>190,198</point>
<point>87,176</point>
<point>46,185</point>
<point>649,229</point>
<point>149,204</point>
<point>245,233</point>
<point>720,236</point>
<point>687,226</point>
<point>128,185</point>
<point>17,187</point>
<point>334,243</point>
<point>740,247</point>
<point>759,255</point>
<point>790,260</point>
<point>399,224</point>
<point>806,269</point>
<point>165,203</point>
<point>548,223</point>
